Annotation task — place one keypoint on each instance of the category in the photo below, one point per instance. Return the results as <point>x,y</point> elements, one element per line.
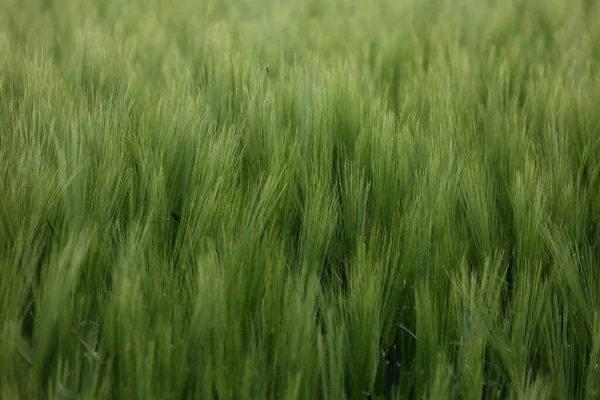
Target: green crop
<point>264,199</point>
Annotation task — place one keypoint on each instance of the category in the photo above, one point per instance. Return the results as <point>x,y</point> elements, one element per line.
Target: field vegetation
<point>287,199</point>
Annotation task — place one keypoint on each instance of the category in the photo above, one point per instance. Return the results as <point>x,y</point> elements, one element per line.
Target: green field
<point>288,199</point>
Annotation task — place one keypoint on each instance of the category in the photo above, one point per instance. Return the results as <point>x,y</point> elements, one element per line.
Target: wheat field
<point>287,199</point>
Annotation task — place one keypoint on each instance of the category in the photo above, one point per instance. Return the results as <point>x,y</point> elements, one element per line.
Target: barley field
<point>299,199</point>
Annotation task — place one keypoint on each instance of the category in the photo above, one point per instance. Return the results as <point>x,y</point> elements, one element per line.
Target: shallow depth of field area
<point>289,199</point>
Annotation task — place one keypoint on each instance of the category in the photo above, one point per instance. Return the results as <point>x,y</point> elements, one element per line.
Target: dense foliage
<point>287,199</point>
